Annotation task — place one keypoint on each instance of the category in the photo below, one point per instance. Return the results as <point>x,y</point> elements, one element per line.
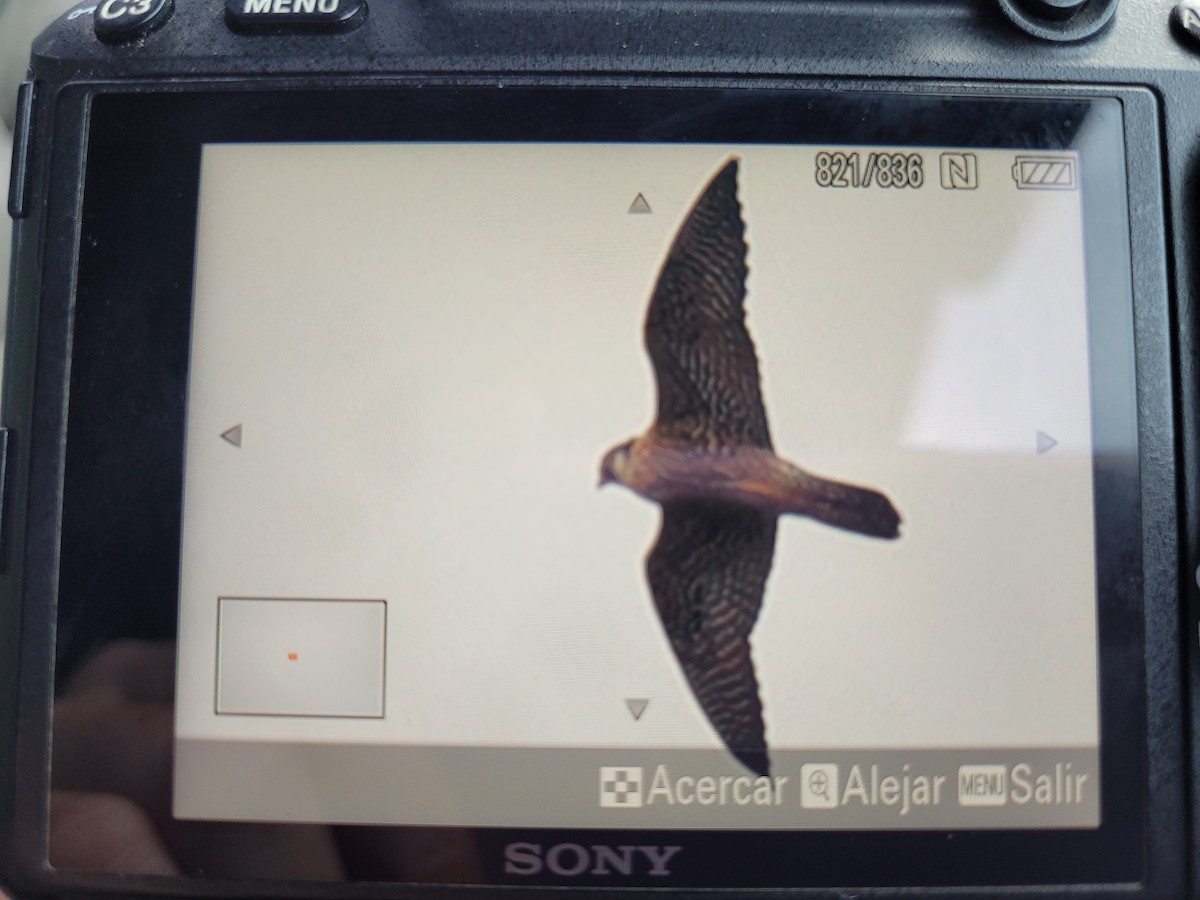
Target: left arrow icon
<point>233,435</point>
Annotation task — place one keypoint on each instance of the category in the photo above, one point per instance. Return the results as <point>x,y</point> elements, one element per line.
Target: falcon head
<point>616,463</point>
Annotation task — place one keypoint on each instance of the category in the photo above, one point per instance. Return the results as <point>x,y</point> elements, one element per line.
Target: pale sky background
<point>431,347</point>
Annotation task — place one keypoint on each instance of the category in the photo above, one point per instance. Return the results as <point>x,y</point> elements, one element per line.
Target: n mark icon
<point>960,171</point>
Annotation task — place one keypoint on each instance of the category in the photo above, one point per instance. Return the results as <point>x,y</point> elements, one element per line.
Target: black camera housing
<point>96,365</point>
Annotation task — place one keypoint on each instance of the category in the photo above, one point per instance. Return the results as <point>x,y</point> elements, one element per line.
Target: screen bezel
<point>124,445</point>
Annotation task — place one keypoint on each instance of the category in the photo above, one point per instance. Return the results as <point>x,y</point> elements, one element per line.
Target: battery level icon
<point>1045,173</point>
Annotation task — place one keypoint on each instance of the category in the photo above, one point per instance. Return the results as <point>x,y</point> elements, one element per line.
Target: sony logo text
<point>574,860</point>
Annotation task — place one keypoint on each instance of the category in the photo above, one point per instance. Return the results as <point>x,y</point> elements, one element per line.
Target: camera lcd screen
<point>741,473</point>
<point>407,364</point>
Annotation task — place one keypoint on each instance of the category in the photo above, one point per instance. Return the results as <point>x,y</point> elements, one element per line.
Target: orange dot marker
<point>293,656</point>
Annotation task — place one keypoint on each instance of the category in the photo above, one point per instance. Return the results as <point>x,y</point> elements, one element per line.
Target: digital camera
<point>527,447</point>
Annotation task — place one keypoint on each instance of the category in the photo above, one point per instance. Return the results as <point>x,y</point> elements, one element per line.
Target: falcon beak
<point>608,467</point>
<point>607,475</point>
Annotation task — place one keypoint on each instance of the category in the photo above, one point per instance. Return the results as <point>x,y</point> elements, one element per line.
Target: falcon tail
<point>845,506</point>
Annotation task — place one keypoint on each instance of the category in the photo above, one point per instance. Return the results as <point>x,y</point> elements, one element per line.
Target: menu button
<point>292,16</point>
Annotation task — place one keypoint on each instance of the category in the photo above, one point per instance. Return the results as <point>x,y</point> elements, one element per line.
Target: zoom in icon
<point>819,785</point>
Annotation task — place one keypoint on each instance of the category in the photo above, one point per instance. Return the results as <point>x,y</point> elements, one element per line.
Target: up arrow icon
<point>640,206</point>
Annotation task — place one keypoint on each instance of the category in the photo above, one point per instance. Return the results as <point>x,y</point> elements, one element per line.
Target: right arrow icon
<point>1045,443</point>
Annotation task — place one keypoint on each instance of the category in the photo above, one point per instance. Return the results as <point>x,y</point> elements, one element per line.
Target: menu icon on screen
<point>982,785</point>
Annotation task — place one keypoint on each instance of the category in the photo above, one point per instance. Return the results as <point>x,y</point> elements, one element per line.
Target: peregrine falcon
<point>708,462</point>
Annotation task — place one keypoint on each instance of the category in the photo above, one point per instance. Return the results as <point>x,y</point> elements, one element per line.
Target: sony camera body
<point>875,323</point>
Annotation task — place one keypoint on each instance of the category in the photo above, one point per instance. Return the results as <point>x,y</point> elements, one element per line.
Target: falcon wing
<point>704,360</point>
<point>707,573</point>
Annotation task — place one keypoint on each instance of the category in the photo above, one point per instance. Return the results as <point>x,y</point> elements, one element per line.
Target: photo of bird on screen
<point>709,463</point>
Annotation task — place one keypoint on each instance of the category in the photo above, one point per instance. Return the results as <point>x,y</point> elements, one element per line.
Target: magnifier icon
<point>818,785</point>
